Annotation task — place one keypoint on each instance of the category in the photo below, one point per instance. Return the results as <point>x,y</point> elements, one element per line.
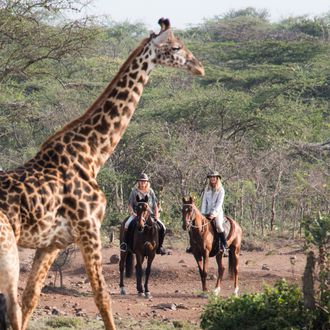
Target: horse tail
<point>129,263</point>
<point>3,324</point>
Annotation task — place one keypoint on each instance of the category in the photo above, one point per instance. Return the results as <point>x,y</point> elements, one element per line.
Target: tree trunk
<point>308,282</point>
<point>275,193</point>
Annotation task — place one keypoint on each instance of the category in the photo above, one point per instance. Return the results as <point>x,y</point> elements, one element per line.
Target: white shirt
<point>212,202</point>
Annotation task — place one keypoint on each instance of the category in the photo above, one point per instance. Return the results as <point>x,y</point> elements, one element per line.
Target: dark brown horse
<point>145,240</point>
<point>204,245</point>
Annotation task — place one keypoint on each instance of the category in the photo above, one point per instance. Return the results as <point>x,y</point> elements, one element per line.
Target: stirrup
<point>123,247</point>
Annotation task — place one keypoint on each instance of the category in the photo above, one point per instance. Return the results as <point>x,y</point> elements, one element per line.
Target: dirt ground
<point>174,284</point>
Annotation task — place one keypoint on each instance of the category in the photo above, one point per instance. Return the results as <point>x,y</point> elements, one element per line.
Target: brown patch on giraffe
<point>103,127</point>
<point>123,95</point>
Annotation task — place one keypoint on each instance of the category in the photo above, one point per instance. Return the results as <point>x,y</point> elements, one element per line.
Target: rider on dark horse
<point>143,189</point>
<point>212,209</point>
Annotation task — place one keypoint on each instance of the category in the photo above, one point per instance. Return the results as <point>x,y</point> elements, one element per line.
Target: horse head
<point>188,212</point>
<point>143,212</point>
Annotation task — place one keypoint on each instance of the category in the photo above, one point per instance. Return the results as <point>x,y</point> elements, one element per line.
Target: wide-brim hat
<point>214,173</point>
<point>143,177</point>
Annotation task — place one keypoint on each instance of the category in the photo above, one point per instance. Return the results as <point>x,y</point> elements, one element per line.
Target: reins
<point>192,219</point>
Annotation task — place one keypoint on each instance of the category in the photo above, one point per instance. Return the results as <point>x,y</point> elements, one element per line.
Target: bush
<point>280,307</point>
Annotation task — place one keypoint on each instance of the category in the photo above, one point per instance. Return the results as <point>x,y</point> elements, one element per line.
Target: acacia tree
<point>28,35</point>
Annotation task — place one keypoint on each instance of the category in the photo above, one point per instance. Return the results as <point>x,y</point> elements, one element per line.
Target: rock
<point>265,267</point>
<point>181,306</point>
<point>55,311</point>
<point>114,259</point>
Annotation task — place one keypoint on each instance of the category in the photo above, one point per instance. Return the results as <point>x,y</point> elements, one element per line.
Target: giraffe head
<point>170,51</point>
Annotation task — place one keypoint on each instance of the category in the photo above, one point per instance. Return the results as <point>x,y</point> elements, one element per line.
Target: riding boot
<point>124,243</point>
<point>161,235</point>
<point>223,243</point>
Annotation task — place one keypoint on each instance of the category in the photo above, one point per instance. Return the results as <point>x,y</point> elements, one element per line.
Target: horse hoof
<point>236,292</point>
<point>141,294</point>
<point>122,291</point>
<point>148,295</point>
<point>217,291</point>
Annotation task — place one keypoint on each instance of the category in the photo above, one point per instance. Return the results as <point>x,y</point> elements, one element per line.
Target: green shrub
<point>276,308</point>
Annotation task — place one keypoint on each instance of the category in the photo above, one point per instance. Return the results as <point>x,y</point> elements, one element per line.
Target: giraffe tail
<point>3,324</point>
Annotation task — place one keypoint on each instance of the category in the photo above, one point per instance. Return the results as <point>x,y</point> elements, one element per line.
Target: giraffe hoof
<point>122,291</point>
<point>216,291</point>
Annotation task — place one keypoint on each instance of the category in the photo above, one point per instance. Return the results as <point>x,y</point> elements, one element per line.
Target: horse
<point>145,240</point>
<point>205,245</point>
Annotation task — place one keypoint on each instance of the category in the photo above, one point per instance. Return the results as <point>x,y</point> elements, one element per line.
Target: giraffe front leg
<point>43,259</point>
<point>91,251</point>
<point>9,274</point>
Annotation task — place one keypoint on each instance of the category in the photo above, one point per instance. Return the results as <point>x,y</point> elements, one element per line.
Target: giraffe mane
<point>107,90</point>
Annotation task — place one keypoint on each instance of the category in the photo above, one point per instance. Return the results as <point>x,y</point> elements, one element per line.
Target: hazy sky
<point>185,12</point>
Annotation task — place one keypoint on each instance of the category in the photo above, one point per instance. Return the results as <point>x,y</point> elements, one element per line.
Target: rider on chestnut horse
<point>212,201</point>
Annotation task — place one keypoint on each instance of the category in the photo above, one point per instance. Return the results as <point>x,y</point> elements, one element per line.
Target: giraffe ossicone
<point>54,200</point>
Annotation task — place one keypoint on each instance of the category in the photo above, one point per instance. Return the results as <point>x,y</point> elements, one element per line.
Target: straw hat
<point>214,173</point>
<point>143,177</point>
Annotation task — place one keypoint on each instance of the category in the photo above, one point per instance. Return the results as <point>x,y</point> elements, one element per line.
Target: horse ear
<point>138,198</point>
<point>191,200</point>
<point>146,199</point>
<point>183,199</point>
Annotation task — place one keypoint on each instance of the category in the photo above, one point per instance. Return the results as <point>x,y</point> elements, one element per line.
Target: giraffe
<point>54,200</point>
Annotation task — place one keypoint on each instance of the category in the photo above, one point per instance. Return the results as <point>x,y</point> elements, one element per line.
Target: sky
<point>184,13</point>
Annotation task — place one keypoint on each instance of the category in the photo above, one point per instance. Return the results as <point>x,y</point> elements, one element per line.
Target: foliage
<point>280,307</point>
<point>317,234</point>
<point>261,110</point>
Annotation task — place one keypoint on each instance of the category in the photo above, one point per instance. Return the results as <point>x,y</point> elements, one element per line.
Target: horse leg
<point>201,267</point>
<point>148,270</point>
<point>139,273</point>
<point>121,271</point>
<point>233,266</point>
<point>42,261</point>
<point>221,270</point>
<point>9,272</point>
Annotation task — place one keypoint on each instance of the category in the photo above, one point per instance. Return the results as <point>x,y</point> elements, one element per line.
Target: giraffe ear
<point>163,37</point>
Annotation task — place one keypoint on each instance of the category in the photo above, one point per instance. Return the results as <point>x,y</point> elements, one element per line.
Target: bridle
<point>192,218</point>
<point>142,218</point>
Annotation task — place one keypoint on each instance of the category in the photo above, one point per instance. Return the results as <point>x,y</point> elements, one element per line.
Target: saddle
<point>215,245</point>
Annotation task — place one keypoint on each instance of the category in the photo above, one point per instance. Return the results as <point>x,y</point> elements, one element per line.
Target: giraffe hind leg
<point>9,274</point>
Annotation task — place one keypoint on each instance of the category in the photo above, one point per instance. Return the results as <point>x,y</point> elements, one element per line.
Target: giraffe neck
<point>93,136</point>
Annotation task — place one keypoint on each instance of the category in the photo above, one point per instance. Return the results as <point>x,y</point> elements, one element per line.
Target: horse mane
<point>102,96</point>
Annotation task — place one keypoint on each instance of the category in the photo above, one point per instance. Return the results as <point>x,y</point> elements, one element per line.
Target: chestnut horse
<point>204,244</point>
<point>145,240</point>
